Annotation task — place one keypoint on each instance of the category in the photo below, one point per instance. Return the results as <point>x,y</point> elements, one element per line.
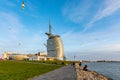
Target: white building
<point>54,46</point>
<point>39,57</point>
<point>14,56</point>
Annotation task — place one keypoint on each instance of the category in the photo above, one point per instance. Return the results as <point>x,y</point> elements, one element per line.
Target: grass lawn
<point>18,70</point>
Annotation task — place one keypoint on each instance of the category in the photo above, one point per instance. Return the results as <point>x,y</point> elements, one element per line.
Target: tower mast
<point>50,29</point>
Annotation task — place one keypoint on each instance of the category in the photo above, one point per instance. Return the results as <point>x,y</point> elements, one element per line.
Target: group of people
<point>80,64</point>
<point>84,68</point>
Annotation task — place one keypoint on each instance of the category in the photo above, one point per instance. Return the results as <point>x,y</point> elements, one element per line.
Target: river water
<point>109,69</point>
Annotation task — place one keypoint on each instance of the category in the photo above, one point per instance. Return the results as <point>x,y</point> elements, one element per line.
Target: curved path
<point>64,73</point>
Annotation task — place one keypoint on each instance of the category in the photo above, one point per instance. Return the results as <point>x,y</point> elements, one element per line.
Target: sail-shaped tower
<point>54,45</point>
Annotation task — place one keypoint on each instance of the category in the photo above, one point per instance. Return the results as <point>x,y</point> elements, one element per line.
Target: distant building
<point>54,46</point>
<point>7,54</point>
<point>38,58</point>
<point>14,56</point>
<point>41,56</point>
<point>18,57</point>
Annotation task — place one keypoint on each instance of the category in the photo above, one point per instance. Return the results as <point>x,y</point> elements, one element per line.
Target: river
<point>109,69</point>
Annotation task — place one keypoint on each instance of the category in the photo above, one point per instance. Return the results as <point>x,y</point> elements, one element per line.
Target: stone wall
<point>88,75</point>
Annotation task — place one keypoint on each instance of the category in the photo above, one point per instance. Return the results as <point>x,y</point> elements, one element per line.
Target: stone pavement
<point>64,73</point>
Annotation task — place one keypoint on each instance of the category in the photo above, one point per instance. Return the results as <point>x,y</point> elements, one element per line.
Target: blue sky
<point>90,29</point>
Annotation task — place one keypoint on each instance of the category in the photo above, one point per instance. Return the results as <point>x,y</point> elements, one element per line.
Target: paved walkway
<point>64,73</point>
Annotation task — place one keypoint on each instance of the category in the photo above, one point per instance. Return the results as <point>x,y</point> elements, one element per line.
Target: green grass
<point>18,70</point>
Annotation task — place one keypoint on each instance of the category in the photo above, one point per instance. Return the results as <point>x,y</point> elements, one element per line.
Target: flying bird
<point>23,5</point>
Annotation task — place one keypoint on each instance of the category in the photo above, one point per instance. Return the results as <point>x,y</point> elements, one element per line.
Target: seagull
<point>23,5</point>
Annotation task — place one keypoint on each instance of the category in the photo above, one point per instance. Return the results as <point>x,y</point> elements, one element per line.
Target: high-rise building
<point>54,45</point>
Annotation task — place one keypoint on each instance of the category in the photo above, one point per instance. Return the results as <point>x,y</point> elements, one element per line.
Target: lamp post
<point>74,58</point>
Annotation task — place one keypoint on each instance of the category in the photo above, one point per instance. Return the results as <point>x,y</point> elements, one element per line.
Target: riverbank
<point>88,75</point>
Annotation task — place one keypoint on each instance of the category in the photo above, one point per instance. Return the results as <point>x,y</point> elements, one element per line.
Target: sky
<point>89,29</point>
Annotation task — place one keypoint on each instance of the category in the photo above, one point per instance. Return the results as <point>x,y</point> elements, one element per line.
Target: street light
<point>74,58</point>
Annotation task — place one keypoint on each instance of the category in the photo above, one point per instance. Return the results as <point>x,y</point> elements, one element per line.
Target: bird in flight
<point>23,5</point>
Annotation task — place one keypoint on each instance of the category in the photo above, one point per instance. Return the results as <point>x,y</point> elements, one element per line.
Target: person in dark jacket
<point>80,64</point>
<point>85,68</point>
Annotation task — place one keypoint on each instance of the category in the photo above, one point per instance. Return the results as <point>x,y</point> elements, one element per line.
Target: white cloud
<point>10,22</point>
<point>16,37</point>
<point>93,56</point>
<point>11,29</point>
<point>107,40</point>
<point>110,7</point>
<point>88,12</point>
<point>76,11</point>
<point>110,47</point>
